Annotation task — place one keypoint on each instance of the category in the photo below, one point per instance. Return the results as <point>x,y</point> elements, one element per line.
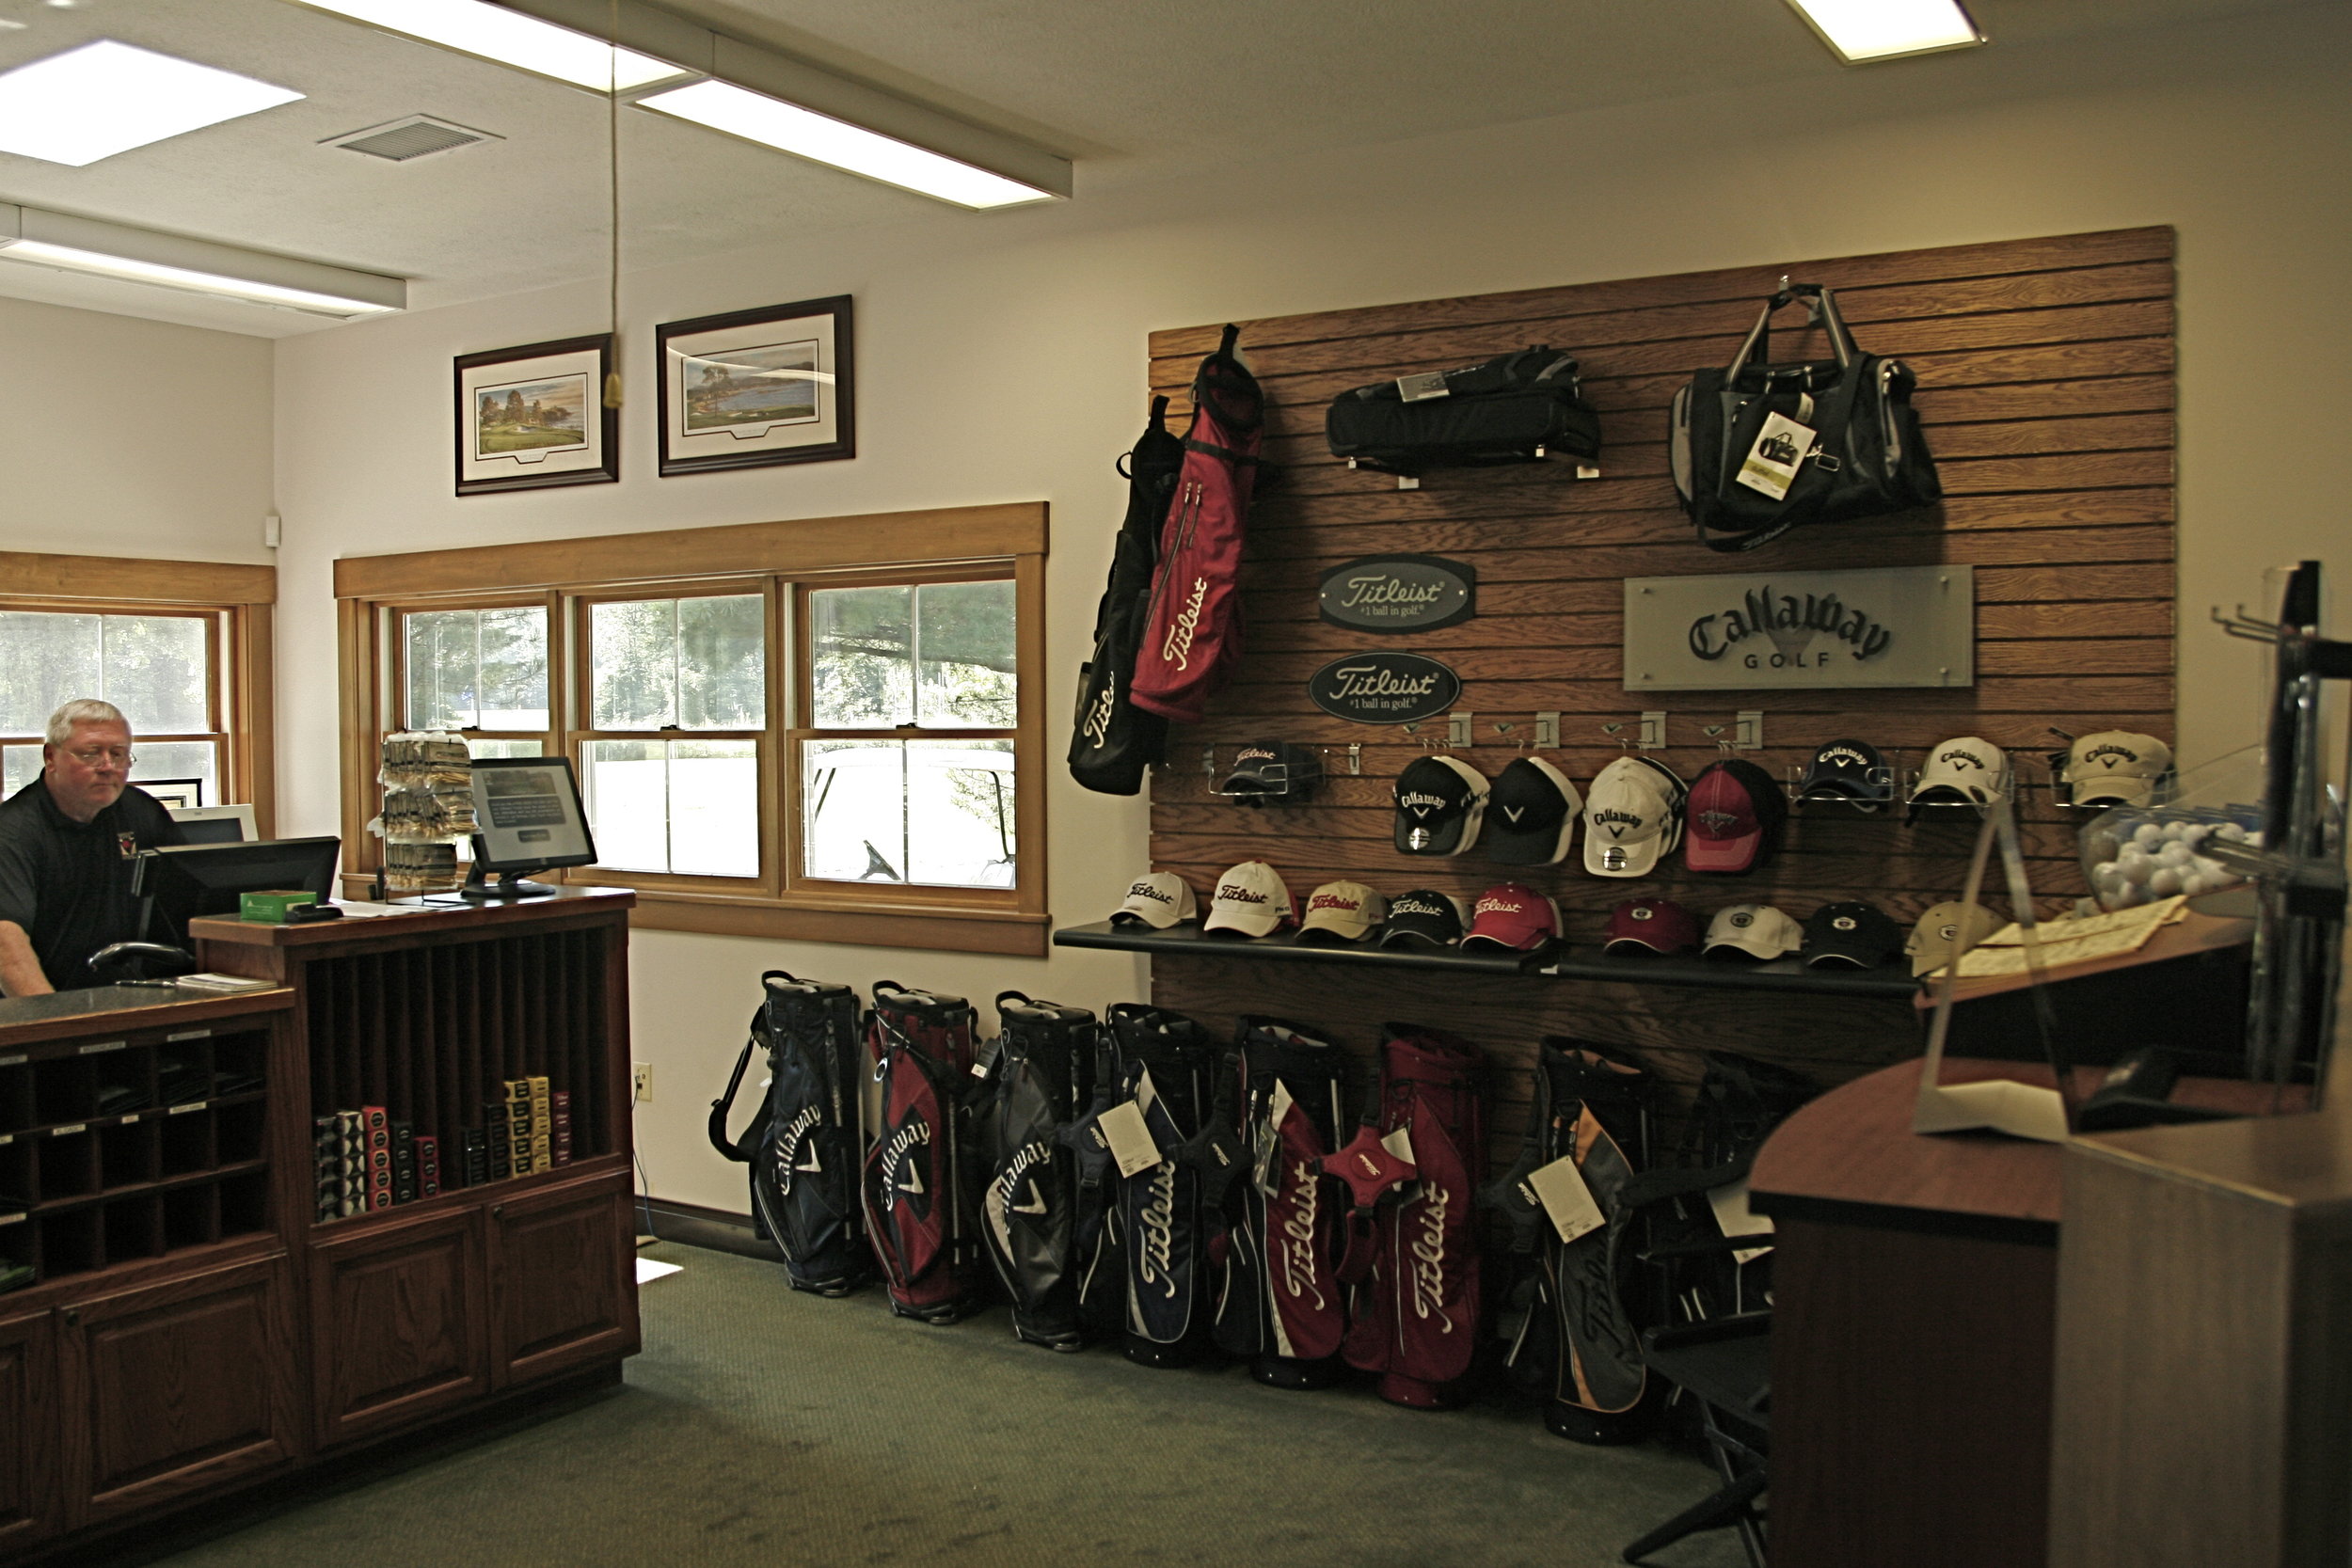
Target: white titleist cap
<point>1252,900</point>
<point>1158,900</point>
<point>1349,911</point>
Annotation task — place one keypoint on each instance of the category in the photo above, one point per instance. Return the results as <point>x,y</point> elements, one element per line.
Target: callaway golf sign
<point>1902,625</point>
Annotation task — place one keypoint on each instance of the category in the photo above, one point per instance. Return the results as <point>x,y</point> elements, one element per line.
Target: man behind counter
<point>66,843</point>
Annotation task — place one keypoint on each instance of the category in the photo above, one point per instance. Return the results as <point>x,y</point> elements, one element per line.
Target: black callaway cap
<point>1438,803</point>
<point>1854,934</point>
<point>1531,814</point>
<point>1848,770</point>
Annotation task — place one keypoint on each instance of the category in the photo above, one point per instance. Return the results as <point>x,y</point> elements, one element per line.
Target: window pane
<point>478,669</point>
<point>690,807</point>
<point>966,647</point>
<point>936,813</point>
<point>180,759</point>
<point>51,659</point>
<point>700,664</point>
<point>505,748</point>
<point>153,668</point>
<point>19,767</point>
<point>860,642</point>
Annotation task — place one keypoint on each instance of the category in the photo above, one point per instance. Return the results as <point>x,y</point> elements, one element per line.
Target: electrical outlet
<point>641,1080</point>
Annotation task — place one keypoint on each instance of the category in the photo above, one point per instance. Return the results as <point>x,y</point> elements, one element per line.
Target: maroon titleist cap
<point>1659,924</point>
<point>1513,916</point>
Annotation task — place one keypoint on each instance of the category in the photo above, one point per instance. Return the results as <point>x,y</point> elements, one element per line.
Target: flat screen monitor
<point>527,817</point>
<point>180,883</point>
<point>216,824</point>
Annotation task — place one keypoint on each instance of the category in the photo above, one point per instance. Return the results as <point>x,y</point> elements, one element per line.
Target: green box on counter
<point>270,907</point>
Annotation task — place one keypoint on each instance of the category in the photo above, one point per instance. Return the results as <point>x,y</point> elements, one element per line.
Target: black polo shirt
<point>69,883</point>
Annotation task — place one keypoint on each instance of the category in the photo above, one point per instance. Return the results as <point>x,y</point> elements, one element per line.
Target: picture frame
<point>533,417</point>
<point>168,793</point>
<point>751,389</point>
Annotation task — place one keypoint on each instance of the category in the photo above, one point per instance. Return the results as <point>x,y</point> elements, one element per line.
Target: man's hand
<point>20,971</point>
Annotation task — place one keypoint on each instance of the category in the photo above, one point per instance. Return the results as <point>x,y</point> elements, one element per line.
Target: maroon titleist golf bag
<point>923,1173</point>
<point>1192,626</point>
<point>1042,1081</point>
<point>1418,1302</point>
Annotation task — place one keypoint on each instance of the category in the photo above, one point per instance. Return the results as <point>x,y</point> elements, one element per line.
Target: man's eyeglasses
<point>122,756</point>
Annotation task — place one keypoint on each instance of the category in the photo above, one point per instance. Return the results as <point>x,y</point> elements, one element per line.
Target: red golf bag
<point>1192,626</point>
<point>1043,1080</point>
<point>923,1173</point>
<point>1417,1309</point>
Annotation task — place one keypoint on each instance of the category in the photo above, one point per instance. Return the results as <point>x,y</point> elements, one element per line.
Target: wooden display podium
<point>193,1327</point>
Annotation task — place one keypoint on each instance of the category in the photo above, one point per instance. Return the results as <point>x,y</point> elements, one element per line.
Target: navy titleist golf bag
<point>1283,1305</point>
<point>1167,1065</point>
<point>1114,741</point>
<point>1098,1233</point>
<point>1579,1348</point>
<point>1043,1081</point>
<point>802,1145</point>
<point>923,1170</point>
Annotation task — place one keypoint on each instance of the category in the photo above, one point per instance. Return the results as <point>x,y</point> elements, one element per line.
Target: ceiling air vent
<point>415,137</point>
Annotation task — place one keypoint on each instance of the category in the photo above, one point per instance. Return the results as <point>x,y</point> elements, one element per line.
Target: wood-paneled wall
<point>2045,369</point>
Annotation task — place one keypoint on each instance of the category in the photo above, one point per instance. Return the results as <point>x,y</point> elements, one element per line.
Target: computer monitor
<point>179,883</point>
<point>216,824</point>
<point>527,817</point>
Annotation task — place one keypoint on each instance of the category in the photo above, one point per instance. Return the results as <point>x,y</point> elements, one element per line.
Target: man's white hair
<point>82,710</point>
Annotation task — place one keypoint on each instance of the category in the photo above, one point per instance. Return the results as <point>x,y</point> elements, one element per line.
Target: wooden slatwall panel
<point>2046,386</point>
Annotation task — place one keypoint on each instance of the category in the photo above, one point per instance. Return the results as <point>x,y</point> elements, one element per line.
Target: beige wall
<point>1000,358</point>
<point>122,437</point>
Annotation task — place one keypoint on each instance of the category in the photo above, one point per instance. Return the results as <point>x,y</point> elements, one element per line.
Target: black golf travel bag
<point>1518,407</point>
<point>1041,1082</point>
<point>1282,1305</point>
<point>1114,740</point>
<point>803,1145</point>
<point>1167,1065</point>
<point>923,1168</point>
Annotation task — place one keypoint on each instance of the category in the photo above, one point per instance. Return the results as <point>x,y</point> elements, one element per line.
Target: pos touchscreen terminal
<point>528,818</point>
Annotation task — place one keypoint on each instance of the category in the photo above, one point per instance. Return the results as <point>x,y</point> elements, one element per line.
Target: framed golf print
<point>533,417</point>
<point>755,387</point>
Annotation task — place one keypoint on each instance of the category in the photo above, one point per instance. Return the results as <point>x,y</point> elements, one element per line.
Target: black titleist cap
<point>1848,770</point>
<point>1531,814</point>
<point>1439,802</point>
<point>1422,918</point>
<point>1854,934</point>
<point>1274,771</point>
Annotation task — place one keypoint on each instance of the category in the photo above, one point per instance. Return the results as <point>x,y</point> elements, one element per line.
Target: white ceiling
<point>1129,90</point>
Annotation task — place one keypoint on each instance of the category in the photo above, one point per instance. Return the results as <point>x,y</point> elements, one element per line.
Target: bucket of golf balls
<point>2137,854</point>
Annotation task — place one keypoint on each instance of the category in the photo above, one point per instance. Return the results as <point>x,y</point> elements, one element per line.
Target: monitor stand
<point>479,889</point>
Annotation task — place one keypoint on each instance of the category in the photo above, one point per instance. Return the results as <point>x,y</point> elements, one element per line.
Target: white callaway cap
<point>1629,820</point>
<point>1758,930</point>
<point>1252,898</point>
<point>2116,765</point>
<point>1962,771</point>
<point>1158,900</point>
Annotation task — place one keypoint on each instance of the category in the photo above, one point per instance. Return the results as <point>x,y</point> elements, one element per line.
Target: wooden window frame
<point>783,558</point>
<point>239,604</point>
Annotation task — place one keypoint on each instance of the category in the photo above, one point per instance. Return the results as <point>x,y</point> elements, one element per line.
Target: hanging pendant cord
<point>612,166</point>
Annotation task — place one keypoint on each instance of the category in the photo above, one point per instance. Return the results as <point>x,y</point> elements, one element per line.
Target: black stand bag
<point>1161,1218</point>
<point>1518,407</point>
<point>1114,741</point>
<point>1041,1082</point>
<point>802,1145</point>
<point>924,1168</point>
<point>1868,459</point>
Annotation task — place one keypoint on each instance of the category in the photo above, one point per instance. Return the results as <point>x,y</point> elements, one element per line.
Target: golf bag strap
<point>1368,1172</point>
<point>739,1152</point>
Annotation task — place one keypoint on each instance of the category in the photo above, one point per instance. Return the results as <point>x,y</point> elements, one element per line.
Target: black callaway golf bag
<point>1041,1082</point>
<point>1167,1065</point>
<point>1114,741</point>
<point>803,1145</point>
<point>923,1172</point>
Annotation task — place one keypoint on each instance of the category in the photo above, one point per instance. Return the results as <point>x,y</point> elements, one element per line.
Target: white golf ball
<point>2147,835</point>
<point>2166,882</point>
<point>2232,831</point>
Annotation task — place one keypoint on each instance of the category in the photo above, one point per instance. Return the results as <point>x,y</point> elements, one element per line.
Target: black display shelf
<point>1790,975</point>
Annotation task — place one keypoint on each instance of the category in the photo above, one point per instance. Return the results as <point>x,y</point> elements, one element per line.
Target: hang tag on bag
<point>1422,387</point>
<point>1780,449</point>
<point>1131,1140</point>
<point>1560,1188</point>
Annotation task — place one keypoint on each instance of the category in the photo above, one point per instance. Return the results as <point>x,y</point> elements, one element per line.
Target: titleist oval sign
<point>1398,593</point>
<point>1384,687</point>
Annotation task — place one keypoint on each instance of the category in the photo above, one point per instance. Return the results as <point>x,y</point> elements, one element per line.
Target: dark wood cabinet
<point>564,1278</point>
<point>176,1387</point>
<point>399,1324</point>
<point>28,1498</point>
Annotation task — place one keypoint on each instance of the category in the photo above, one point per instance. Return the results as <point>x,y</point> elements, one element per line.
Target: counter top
<point>420,917</point>
<point>103,1009</point>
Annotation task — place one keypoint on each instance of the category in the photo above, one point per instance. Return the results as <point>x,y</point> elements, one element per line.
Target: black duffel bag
<point>1518,407</point>
<point>1759,447</point>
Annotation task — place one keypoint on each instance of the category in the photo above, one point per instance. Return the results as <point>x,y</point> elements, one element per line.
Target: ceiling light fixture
<point>1860,31</point>
<point>69,244</point>
<point>510,38</point>
<point>106,98</point>
<point>773,122</point>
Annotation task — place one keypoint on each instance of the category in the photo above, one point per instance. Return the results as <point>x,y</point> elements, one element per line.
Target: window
<point>812,736</point>
<point>191,677</point>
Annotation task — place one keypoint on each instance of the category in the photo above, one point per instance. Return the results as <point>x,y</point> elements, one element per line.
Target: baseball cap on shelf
<point>1424,918</point>
<point>1758,930</point>
<point>1158,900</point>
<point>1962,772</point>
<point>1651,925</point>
<point>1849,771</point>
<point>1514,917</point>
<point>1531,814</point>
<point>1273,770</point>
<point>2116,765</point>
<point>1931,944</point>
<point>1734,817</point>
<point>1252,900</point>
<point>1632,817</point>
<point>1852,934</point>
<point>1439,802</point>
<point>1341,911</point>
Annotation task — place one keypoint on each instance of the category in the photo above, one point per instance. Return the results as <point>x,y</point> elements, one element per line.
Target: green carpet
<point>764,1427</point>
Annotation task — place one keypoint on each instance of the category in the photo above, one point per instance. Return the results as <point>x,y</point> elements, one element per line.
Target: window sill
<point>1010,933</point>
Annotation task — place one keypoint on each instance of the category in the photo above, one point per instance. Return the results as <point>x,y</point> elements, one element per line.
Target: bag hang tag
<point>1266,1149</point>
<point>1422,387</point>
<point>1131,1144</point>
<point>1781,449</point>
<point>1560,1188</point>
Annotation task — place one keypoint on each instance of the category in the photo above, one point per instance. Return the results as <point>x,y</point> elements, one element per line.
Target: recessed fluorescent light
<point>1860,30</point>
<point>510,38</point>
<point>106,98</point>
<point>62,240</point>
<point>756,117</point>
